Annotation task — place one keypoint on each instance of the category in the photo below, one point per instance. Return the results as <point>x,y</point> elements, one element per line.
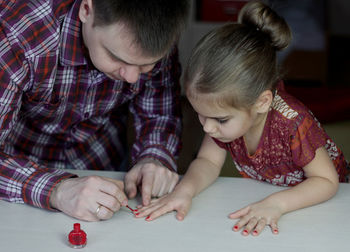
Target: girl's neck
<point>253,136</point>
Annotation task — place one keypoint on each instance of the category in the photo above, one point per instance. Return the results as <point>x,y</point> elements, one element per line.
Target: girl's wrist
<point>185,190</point>
<point>275,200</point>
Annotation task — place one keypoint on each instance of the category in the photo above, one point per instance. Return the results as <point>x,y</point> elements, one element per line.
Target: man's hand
<point>90,198</point>
<point>152,177</point>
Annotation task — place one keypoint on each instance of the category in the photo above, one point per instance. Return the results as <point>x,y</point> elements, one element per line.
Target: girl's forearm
<point>200,174</point>
<point>312,191</point>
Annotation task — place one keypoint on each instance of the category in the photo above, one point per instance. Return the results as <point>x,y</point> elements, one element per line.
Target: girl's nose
<point>209,126</point>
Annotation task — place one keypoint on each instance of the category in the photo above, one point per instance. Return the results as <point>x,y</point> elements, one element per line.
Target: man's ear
<point>264,101</point>
<point>85,10</point>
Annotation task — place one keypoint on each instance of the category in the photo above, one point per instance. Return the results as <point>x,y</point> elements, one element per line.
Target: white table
<point>325,227</point>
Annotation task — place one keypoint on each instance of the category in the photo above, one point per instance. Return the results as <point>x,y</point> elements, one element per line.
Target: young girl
<point>232,82</point>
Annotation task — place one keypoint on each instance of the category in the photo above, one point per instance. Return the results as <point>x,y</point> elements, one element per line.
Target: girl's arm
<point>203,170</point>
<point>321,184</point>
<point>201,173</point>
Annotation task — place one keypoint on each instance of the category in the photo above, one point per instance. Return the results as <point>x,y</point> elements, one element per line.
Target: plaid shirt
<point>58,111</point>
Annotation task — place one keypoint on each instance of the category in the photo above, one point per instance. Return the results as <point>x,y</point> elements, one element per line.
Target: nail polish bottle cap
<point>77,237</point>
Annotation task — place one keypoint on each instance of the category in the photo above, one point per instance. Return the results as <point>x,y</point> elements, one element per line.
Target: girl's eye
<point>222,121</point>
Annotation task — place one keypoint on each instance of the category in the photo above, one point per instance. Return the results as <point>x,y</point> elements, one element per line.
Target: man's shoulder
<point>40,8</point>
<point>33,25</point>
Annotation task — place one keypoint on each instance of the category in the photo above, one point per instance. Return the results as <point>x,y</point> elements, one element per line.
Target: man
<point>70,70</point>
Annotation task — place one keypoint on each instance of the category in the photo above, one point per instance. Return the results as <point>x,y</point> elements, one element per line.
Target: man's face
<point>112,50</point>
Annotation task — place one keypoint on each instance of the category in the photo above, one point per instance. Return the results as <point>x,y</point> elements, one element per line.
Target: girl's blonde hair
<point>235,63</point>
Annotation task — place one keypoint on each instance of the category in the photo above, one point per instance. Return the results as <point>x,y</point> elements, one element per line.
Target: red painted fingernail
<point>235,227</point>
<point>275,231</point>
<point>148,218</point>
<point>255,232</point>
<point>245,231</point>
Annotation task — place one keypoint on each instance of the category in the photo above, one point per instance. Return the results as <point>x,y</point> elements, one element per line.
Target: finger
<point>236,227</point>
<point>153,201</point>
<point>116,190</point>
<point>274,227</point>
<point>131,183</point>
<point>239,213</point>
<point>250,226</point>
<point>181,213</point>
<point>104,213</point>
<point>163,190</point>
<point>158,186</point>
<point>160,211</point>
<point>147,210</point>
<point>117,182</point>
<point>241,223</point>
<point>173,183</point>
<point>109,202</point>
<point>259,227</point>
<point>147,186</point>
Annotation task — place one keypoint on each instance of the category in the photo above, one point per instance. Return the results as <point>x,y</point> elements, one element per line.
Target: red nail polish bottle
<point>77,237</point>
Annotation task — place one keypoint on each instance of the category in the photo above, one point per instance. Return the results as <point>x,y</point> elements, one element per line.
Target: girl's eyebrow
<point>125,62</point>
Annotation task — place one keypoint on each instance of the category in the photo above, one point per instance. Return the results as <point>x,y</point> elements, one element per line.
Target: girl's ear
<point>262,105</point>
<point>85,10</point>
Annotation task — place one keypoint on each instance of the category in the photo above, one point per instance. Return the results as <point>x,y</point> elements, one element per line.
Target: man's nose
<point>130,73</point>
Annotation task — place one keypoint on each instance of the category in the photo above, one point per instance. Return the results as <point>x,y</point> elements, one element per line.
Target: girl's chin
<point>224,140</point>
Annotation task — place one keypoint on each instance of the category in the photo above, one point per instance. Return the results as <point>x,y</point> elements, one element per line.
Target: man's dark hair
<point>156,24</point>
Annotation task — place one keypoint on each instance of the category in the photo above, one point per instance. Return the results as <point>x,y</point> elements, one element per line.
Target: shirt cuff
<point>37,188</point>
<point>159,153</point>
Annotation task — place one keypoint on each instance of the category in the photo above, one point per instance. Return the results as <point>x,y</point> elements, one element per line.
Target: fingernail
<point>245,231</point>
<point>148,218</point>
<point>235,227</point>
<point>275,231</point>
<point>255,232</point>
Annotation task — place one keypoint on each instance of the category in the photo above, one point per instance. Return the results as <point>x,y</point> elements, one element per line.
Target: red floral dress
<point>289,141</point>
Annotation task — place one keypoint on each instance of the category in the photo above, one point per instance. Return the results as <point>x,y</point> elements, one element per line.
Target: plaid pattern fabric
<point>56,109</point>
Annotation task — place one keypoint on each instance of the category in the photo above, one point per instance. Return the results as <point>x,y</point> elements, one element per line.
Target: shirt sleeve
<point>306,139</point>
<point>157,114</point>
<point>21,180</point>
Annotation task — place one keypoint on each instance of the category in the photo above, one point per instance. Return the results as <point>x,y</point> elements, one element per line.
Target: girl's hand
<point>254,218</point>
<point>177,201</point>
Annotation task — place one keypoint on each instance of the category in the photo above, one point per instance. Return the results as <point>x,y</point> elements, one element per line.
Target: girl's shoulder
<point>288,110</point>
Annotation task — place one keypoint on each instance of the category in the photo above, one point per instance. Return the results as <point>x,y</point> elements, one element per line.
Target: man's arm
<point>157,116</point>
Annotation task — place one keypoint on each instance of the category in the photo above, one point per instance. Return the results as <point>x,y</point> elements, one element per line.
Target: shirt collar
<point>73,52</point>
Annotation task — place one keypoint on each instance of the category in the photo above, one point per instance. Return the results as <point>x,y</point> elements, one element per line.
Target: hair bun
<point>263,18</point>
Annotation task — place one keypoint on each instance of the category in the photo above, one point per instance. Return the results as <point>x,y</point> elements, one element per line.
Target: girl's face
<point>224,124</point>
